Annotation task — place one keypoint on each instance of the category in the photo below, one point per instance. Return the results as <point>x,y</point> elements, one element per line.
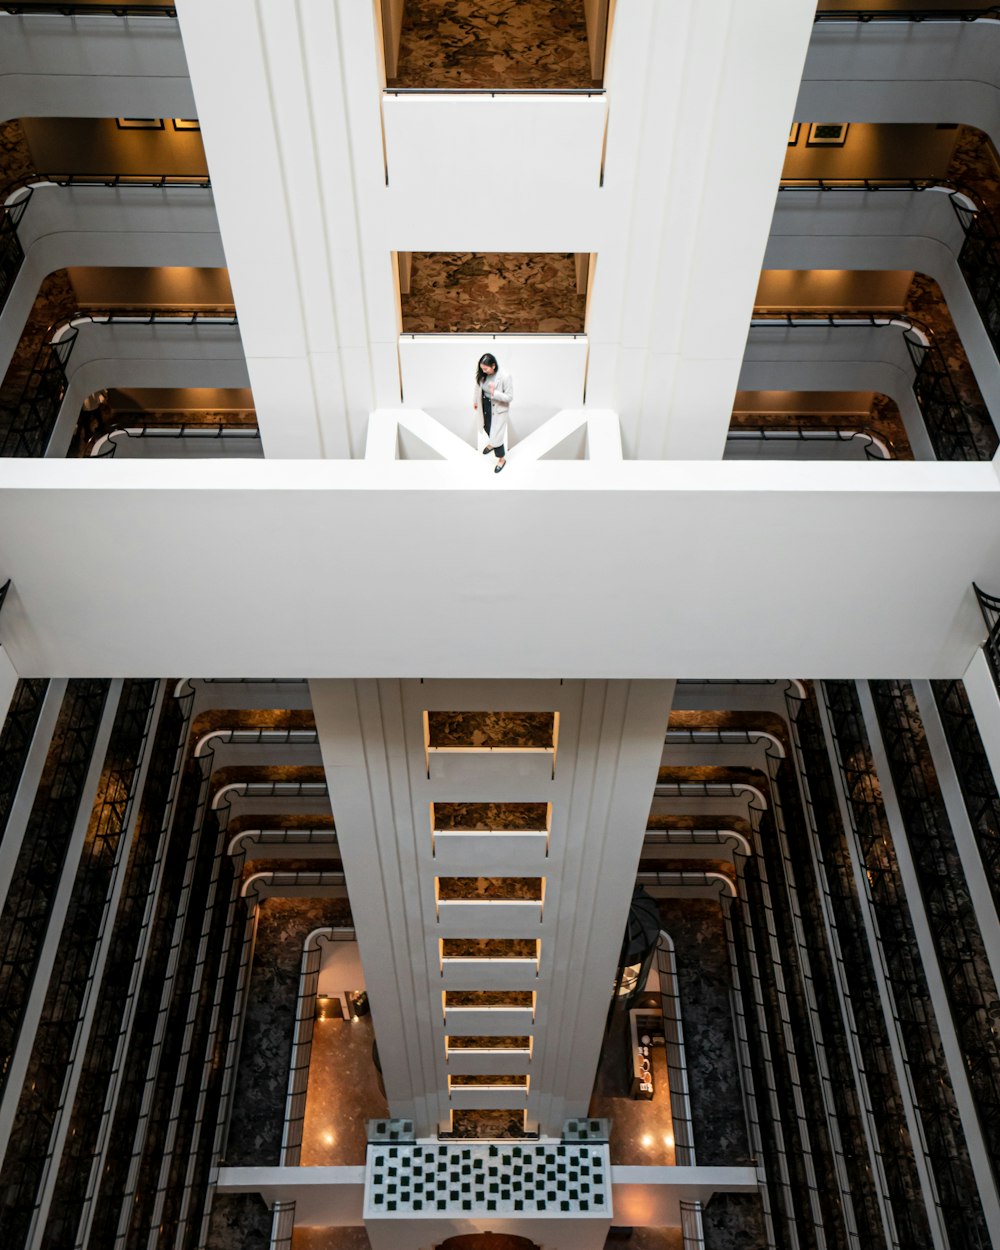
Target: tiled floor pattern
<point>493,293</point>
<point>500,1177</point>
<point>494,44</point>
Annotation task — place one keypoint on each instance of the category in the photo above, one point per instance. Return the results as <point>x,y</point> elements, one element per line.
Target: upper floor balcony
<point>893,61</point>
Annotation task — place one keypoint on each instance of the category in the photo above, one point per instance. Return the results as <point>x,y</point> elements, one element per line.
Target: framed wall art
<point>827,134</point>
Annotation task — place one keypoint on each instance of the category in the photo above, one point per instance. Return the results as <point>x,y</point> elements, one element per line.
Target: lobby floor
<point>342,1094</point>
<point>642,1129</point>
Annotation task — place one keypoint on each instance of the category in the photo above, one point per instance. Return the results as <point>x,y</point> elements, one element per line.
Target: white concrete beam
<point>604,569</point>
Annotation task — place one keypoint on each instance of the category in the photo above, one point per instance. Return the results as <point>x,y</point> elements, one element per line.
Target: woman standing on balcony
<point>491,401</point>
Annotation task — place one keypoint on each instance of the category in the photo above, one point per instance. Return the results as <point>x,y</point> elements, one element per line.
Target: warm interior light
<point>647,1140</point>
<point>328,1138</point>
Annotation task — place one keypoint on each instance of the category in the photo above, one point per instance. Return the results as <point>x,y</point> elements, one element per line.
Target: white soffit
<point>432,569</point>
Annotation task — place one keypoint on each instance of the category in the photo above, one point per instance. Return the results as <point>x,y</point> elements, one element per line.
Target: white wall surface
<point>341,968</point>
<point>438,374</point>
<point>547,154</point>
<point>607,570</point>
<point>903,72</point>
<point>93,67</point>
<point>985,700</point>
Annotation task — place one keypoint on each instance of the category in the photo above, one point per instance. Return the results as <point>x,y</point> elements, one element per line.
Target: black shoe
<point>502,465</point>
<point>487,450</point>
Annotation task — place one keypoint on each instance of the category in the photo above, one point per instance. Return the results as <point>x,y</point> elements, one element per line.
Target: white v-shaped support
<point>604,439</point>
<point>602,426</point>
<point>382,441</point>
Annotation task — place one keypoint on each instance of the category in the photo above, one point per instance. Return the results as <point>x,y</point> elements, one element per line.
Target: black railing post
<point>979,261</point>
<point>971,14</point>
<point>11,250</point>
<point>950,426</point>
<point>989,605</point>
<point>34,418</point>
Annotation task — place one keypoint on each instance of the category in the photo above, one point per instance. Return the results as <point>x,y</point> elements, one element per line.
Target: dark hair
<point>486,359</point>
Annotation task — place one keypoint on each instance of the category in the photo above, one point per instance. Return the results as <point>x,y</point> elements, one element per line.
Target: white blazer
<point>503,393</point>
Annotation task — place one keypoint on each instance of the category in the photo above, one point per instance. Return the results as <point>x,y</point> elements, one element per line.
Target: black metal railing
<point>975,776</point>
<point>952,424</point>
<point>851,1188</point>
<point>794,950</point>
<point>29,1154</point>
<point>104,1201</point>
<point>786,1187</point>
<point>213,431</point>
<point>895,1174</point>
<point>492,91</point>
<point>31,7</point>
<point>869,184</point>
<point>957,430</point>
<point>805,430</point>
<point>979,261</point>
<point>174,1087</point>
<point>15,740</point>
<point>989,605</point>
<point>95,1097</point>
<point>907,15</point>
<point>957,1195</point>
<point>804,1204</point>
<point>11,250</point>
<point>951,917</point>
<point>27,430</point>
<point>156,181</point>
<point>37,872</point>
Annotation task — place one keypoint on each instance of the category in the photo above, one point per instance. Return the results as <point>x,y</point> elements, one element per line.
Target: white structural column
<point>383,782</point>
<point>300,96</point>
<point>697,105</point>
<point>700,100</point>
<point>985,701</point>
